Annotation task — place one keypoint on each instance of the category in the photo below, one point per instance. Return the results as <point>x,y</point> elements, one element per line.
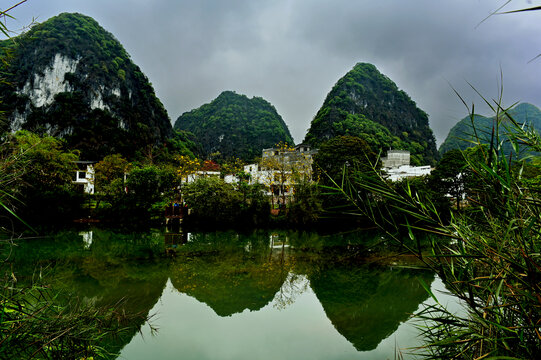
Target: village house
<point>396,166</point>
<point>281,168</point>
<point>84,176</point>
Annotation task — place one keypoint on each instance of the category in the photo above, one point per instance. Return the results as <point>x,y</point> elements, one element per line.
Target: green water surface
<point>227,295</point>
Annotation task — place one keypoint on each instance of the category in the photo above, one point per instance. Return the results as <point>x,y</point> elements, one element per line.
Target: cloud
<point>292,52</point>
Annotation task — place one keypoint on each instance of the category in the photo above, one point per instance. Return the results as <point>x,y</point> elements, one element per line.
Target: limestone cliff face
<point>70,78</point>
<point>43,87</point>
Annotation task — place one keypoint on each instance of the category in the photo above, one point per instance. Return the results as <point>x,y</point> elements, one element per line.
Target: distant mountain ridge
<point>72,79</point>
<point>366,103</point>
<point>462,134</point>
<point>235,126</point>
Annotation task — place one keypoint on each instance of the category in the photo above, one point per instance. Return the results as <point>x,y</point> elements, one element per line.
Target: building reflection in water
<point>174,237</point>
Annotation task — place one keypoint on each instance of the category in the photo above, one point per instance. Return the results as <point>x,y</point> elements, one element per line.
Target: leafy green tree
<point>212,199</point>
<point>45,190</point>
<point>109,178</point>
<point>341,160</point>
<point>307,206</point>
<point>149,187</point>
<point>450,175</point>
<point>256,206</point>
<point>341,153</point>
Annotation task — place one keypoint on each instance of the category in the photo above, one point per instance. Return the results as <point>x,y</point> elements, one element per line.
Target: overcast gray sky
<point>291,52</point>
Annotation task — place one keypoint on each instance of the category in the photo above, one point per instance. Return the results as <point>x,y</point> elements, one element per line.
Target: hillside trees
<point>476,128</point>
<point>234,125</point>
<point>367,104</point>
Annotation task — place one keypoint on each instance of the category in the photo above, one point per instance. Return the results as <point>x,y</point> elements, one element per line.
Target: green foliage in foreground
<point>33,325</point>
<point>488,255</point>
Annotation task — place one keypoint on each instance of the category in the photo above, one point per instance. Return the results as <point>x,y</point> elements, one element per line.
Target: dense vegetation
<point>487,252</point>
<point>235,126</point>
<point>462,136</point>
<point>105,106</point>
<point>367,104</point>
<point>42,191</point>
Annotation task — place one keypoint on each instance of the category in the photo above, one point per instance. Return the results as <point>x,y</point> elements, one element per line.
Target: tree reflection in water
<point>231,273</point>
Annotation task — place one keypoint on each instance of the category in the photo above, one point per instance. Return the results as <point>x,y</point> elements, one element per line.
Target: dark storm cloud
<point>292,52</point>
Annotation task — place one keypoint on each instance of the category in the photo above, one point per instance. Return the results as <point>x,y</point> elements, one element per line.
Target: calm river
<point>227,295</point>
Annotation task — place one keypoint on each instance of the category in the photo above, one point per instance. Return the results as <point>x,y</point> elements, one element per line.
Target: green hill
<point>368,104</point>
<point>462,134</point>
<point>235,126</point>
<point>72,79</point>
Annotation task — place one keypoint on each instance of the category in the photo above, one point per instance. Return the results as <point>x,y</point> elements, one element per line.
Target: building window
<point>81,175</point>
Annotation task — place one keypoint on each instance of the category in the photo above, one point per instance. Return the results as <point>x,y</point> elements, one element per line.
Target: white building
<point>278,166</point>
<point>396,166</point>
<point>406,171</point>
<point>396,158</point>
<point>230,179</point>
<point>84,176</point>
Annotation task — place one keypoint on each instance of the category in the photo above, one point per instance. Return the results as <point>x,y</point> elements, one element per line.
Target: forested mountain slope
<point>234,125</point>
<point>462,134</point>
<point>70,78</point>
<point>367,104</point>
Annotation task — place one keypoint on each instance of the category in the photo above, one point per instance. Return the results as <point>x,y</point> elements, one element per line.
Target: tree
<point>109,178</point>
<point>186,166</point>
<point>449,175</point>
<point>148,188</point>
<point>212,199</point>
<point>307,207</point>
<point>341,160</point>
<point>44,190</point>
<point>341,153</point>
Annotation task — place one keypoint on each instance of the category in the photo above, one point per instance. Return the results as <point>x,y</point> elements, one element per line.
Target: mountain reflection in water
<point>308,290</point>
